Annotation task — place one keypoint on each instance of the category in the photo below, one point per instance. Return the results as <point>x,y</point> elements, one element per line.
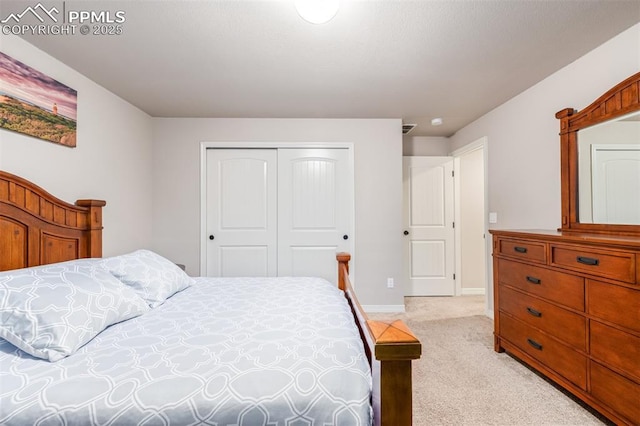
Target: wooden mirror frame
<point>622,99</point>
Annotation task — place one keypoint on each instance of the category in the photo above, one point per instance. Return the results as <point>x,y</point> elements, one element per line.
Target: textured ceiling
<point>414,60</point>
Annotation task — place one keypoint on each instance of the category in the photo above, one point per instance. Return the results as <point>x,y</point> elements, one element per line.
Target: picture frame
<point>35,104</point>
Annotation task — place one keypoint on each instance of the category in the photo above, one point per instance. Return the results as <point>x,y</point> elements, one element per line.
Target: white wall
<point>148,167</point>
<point>378,188</point>
<point>112,160</point>
<point>524,154</point>
<point>524,158</point>
<point>429,146</point>
<point>472,250</point>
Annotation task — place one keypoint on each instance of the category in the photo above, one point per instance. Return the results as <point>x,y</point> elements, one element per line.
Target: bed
<point>117,348</point>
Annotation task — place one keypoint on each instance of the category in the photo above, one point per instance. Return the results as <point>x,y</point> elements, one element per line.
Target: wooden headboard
<point>37,228</point>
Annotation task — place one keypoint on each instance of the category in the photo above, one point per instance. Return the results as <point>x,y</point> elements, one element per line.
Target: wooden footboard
<point>390,347</point>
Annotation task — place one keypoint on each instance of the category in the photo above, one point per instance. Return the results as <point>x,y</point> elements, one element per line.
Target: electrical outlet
<point>390,283</point>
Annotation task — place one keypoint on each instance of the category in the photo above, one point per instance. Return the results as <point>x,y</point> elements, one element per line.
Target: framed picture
<point>35,104</point>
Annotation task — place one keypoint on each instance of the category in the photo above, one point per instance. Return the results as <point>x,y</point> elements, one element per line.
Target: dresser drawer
<point>531,251</point>
<point>556,286</point>
<point>566,326</point>
<point>555,355</point>
<point>617,265</point>
<point>616,391</point>
<point>620,305</point>
<point>616,348</point>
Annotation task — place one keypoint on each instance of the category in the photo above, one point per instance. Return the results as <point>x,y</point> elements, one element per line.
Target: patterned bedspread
<point>259,351</point>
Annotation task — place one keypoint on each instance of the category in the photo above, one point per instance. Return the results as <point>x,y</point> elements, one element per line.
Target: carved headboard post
<point>94,242</point>
<point>37,228</point>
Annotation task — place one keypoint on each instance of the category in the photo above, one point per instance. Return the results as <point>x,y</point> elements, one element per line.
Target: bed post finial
<point>94,235</point>
<point>343,269</point>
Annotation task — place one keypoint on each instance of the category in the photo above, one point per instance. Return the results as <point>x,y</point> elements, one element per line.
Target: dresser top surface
<point>621,241</point>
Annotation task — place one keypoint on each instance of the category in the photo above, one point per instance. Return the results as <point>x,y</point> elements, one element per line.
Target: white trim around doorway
<point>482,143</point>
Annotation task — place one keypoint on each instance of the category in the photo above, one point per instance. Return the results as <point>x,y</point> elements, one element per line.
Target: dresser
<point>568,305</point>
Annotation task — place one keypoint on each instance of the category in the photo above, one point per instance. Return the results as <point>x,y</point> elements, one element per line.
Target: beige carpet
<point>461,380</point>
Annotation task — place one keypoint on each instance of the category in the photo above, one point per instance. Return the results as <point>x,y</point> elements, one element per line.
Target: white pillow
<point>153,277</point>
<point>51,311</point>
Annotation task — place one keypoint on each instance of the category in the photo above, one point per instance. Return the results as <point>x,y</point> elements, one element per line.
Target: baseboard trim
<point>384,308</point>
<point>473,291</point>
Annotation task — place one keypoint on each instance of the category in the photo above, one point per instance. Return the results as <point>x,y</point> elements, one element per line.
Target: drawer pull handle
<point>588,261</point>
<point>533,280</point>
<point>535,344</point>
<point>520,249</point>
<point>534,312</point>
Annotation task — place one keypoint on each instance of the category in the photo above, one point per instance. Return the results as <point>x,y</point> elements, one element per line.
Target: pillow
<point>153,277</point>
<point>51,311</point>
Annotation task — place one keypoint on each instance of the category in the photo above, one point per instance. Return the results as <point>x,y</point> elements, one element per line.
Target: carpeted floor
<point>461,380</point>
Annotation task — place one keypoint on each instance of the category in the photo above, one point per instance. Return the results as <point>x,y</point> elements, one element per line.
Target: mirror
<point>600,163</point>
<point>609,171</point>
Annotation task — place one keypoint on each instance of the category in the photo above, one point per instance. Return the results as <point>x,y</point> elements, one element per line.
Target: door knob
<point>211,237</point>
<point>406,232</point>
<point>345,237</point>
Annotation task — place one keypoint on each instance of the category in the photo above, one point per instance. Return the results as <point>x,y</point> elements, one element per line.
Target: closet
<point>277,211</point>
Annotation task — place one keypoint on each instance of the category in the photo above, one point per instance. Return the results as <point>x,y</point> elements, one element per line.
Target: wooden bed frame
<point>37,228</point>
<point>390,348</point>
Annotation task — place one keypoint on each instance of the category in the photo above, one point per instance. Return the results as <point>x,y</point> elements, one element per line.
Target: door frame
<point>482,143</point>
<point>272,145</point>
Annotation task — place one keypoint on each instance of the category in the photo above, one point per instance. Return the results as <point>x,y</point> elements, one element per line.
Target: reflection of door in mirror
<point>615,179</point>
<point>609,172</point>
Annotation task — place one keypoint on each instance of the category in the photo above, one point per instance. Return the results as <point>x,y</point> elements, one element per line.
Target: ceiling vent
<point>407,128</point>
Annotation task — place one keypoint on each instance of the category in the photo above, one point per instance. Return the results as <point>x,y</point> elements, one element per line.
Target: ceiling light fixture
<point>317,11</point>
<point>436,121</point>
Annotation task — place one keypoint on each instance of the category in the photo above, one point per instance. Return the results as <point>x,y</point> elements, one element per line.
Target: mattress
<point>239,351</point>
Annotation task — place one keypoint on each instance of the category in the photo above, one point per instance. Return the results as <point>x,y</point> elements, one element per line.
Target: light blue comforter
<point>240,351</point>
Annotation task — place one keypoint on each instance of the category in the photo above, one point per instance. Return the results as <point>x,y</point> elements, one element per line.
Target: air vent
<point>407,128</point>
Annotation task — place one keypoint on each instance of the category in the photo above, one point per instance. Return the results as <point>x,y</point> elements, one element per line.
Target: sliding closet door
<point>315,202</point>
<point>241,212</point>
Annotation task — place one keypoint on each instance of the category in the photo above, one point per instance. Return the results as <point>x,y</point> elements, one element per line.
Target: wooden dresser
<point>568,305</point>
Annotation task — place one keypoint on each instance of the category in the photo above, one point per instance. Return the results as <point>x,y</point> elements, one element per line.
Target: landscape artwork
<point>35,104</point>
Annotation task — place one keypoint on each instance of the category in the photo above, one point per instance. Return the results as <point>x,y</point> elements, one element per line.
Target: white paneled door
<point>315,199</point>
<point>278,212</point>
<point>428,226</point>
<point>242,212</point>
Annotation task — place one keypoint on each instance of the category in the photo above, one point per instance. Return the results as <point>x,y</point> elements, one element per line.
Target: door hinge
<point>453,224</point>
<point>454,277</point>
<point>453,173</point>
